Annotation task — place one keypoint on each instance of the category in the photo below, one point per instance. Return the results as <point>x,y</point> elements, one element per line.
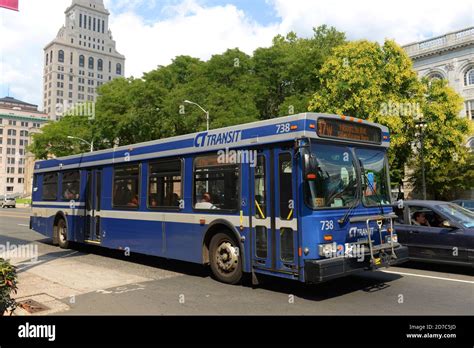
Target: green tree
<point>289,70</point>
<point>449,167</point>
<point>377,83</point>
<point>53,138</point>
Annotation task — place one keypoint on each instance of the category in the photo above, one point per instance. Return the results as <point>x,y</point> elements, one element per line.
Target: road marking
<point>432,277</point>
<point>15,216</point>
<point>23,225</point>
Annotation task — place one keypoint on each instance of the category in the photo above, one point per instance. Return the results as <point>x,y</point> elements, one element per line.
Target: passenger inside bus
<point>206,202</point>
<point>70,193</point>
<point>133,202</point>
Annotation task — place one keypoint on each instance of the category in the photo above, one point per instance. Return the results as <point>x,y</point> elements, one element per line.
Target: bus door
<point>274,223</point>
<point>92,207</point>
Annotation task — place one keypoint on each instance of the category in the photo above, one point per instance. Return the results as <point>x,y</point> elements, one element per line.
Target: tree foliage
<point>233,86</point>
<point>449,167</point>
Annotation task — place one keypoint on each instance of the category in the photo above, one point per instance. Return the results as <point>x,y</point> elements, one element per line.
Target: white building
<point>18,121</point>
<point>450,57</point>
<point>82,57</point>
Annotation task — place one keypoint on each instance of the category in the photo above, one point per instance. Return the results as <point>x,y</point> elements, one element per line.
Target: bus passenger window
<point>286,186</point>
<point>126,181</point>
<point>71,185</point>
<point>216,185</point>
<point>164,184</point>
<point>50,187</point>
<point>260,190</point>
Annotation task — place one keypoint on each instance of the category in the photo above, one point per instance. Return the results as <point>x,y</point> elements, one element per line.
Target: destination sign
<point>339,129</point>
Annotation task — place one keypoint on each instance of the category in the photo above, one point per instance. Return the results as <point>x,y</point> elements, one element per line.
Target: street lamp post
<point>200,107</point>
<point>421,125</point>
<point>91,144</point>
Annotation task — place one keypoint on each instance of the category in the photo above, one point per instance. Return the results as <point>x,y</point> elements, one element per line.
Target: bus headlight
<point>327,250</point>
<point>394,236</point>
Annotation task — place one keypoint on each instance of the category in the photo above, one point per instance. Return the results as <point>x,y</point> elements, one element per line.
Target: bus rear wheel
<point>225,259</point>
<point>62,234</point>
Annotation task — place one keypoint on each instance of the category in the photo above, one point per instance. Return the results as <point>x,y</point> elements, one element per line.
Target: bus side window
<point>260,193</point>
<point>164,184</point>
<point>126,187</point>
<point>285,173</point>
<point>50,187</point>
<point>71,185</point>
<point>216,185</point>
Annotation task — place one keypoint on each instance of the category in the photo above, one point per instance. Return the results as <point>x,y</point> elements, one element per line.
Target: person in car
<point>420,219</point>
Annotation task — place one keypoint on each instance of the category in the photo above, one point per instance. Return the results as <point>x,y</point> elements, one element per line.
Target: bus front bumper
<point>317,271</point>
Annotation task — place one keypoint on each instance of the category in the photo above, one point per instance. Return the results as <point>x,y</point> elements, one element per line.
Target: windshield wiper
<point>354,204</point>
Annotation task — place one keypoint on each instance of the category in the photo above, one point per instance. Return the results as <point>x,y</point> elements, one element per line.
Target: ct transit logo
<point>205,139</point>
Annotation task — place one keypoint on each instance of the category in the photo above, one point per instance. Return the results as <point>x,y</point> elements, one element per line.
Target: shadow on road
<point>436,267</point>
<point>365,281</point>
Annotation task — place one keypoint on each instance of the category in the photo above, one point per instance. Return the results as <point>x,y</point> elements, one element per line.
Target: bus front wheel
<point>225,259</point>
<point>62,234</point>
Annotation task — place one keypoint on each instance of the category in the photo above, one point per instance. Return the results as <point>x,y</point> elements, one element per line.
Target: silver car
<point>9,203</point>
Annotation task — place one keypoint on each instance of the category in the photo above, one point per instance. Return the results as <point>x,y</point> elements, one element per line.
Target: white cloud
<point>402,20</point>
<point>188,27</point>
<point>22,38</point>
<point>189,30</point>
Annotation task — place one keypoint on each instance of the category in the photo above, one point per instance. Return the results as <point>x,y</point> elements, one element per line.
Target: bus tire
<point>62,234</point>
<point>225,259</point>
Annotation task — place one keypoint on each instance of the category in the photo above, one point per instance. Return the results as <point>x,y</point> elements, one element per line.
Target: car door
<point>434,243</point>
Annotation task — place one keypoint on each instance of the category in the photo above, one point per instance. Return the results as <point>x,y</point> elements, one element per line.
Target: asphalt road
<point>91,280</point>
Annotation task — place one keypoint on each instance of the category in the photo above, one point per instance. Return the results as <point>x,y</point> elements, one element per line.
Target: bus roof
<point>281,129</point>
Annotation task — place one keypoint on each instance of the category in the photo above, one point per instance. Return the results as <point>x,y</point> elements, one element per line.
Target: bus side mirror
<point>310,167</point>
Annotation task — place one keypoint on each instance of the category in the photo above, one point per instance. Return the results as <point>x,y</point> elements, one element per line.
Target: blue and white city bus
<point>303,197</point>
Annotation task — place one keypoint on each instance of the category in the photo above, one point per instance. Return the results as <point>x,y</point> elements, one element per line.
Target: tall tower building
<point>82,57</point>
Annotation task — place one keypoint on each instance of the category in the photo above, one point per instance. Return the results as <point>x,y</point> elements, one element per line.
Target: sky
<point>152,32</point>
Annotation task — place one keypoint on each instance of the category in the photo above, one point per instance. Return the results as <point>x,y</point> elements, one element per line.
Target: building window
<point>435,76</point>
<point>94,25</point>
<point>47,58</point>
<point>119,69</point>
<point>469,77</point>
<point>81,61</point>
<point>80,20</point>
<point>90,21</point>
<point>164,184</point>
<point>91,63</point>
<point>216,185</point>
<point>100,65</point>
<point>126,186</point>
<point>51,57</point>
<point>103,26</point>
<point>110,67</point>
<point>71,58</point>
<point>469,109</point>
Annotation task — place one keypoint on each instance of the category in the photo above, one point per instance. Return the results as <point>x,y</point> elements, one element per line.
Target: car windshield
<point>457,214</point>
<point>335,185</point>
<point>375,176</point>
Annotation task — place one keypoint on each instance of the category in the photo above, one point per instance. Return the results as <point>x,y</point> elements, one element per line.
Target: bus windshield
<point>373,162</point>
<point>336,181</point>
